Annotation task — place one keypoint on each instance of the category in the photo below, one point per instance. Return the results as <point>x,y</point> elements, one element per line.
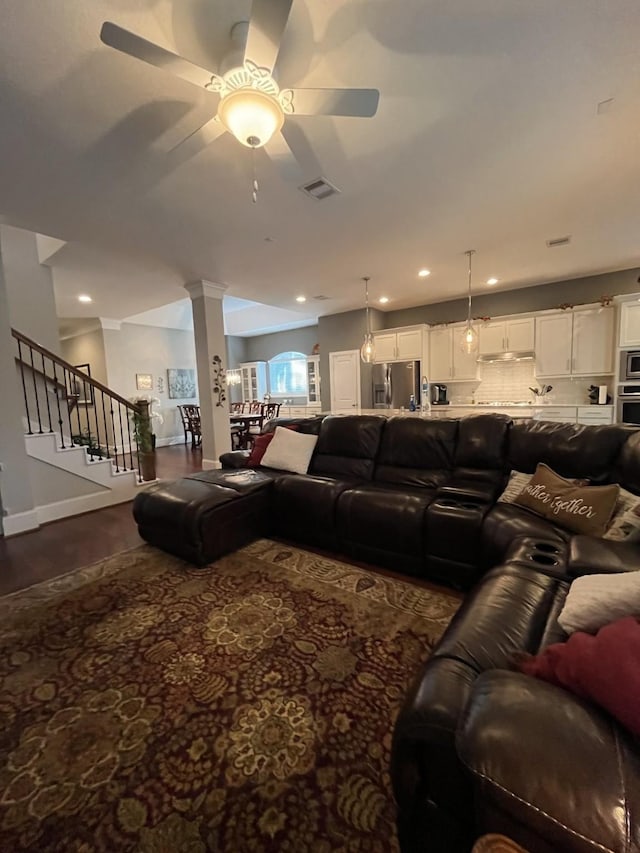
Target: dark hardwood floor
<point>67,544</point>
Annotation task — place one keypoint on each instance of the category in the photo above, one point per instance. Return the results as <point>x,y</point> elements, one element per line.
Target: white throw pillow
<point>289,451</point>
<point>625,523</point>
<point>596,600</point>
<point>517,482</point>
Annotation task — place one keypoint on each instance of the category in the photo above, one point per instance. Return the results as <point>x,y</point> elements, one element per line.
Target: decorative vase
<point>148,465</point>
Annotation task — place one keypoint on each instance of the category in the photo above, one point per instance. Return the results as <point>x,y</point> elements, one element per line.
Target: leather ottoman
<point>202,517</point>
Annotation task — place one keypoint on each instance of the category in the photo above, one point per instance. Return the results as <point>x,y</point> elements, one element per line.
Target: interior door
<point>344,381</point>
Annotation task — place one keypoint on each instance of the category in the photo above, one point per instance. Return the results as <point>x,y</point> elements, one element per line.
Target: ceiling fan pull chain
<point>254,194</point>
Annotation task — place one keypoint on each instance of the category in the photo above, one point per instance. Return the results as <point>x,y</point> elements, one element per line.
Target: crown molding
<point>195,289</point>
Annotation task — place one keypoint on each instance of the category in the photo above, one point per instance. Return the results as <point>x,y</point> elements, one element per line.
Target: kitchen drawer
<point>557,414</point>
<point>595,415</point>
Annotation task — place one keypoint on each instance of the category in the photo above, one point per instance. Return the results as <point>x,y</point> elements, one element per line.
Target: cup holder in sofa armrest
<point>544,559</point>
<point>546,547</point>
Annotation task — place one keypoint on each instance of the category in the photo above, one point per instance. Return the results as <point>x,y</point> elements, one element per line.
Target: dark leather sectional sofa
<point>477,747</point>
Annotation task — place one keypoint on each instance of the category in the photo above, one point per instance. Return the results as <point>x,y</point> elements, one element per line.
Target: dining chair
<point>192,415</point>
<point>270,410</point>
<point>237,408</point>
<point>255,407</point>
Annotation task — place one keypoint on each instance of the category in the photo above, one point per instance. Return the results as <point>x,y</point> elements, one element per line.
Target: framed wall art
<point>144,382</point>
<point>82,390</point>
<point>181,383</point>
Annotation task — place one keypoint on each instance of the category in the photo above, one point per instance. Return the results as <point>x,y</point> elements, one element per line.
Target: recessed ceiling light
<point>424,273</point>
<point>301,298</point>
<point>84,298</point>
<point>492,281</point>
<point>383,300</point>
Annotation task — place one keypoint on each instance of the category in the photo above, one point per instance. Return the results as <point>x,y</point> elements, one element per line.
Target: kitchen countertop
<point>518,411</point>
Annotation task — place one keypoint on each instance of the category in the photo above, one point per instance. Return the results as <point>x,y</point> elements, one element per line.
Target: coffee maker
<point>439,395</point>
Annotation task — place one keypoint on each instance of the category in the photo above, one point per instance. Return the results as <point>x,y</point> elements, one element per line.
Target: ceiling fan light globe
<point>251,116</point>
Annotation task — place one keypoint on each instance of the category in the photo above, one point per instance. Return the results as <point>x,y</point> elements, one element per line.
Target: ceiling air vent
<point>319,189</point>
<point>559,241</point>
<point>320,298</point>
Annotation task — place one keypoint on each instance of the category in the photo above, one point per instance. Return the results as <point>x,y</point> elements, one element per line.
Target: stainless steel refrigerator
<point>394,383</point>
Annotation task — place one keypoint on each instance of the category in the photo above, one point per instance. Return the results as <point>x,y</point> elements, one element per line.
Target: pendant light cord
<point>469,254</point>
<point>366,280</point>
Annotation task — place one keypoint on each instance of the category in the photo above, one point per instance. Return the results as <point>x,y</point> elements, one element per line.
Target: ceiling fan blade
<point>362,103</point>
<point>283,157</point>
<point>199,139</point>
<point>133,45</point>
<point>266,26</point>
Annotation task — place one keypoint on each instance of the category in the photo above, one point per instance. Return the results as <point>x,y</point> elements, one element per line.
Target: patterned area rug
<point>148,706</point>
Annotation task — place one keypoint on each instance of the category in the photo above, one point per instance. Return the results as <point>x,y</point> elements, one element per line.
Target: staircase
<point>78,434</point>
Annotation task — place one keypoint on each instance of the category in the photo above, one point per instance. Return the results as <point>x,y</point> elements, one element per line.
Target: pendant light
<point>469,341</point>
<point>367,350</point>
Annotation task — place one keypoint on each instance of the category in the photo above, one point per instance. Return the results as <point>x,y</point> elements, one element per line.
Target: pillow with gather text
<point>579,508</point>
<point>289,451</point>
<point>625,523</point>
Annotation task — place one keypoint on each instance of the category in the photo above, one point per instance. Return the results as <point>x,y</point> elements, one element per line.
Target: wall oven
<point>630,365</point>
<point>629,404</point>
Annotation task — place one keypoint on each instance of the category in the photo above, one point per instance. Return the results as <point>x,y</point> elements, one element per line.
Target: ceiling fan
<point>251,106</point>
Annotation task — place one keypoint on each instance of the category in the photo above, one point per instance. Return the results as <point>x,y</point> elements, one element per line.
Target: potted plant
<point>142,418</point>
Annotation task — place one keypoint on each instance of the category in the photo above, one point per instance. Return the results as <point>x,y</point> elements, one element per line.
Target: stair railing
<point>85,412</point>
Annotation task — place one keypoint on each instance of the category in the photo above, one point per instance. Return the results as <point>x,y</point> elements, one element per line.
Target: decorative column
<point>208,329</point>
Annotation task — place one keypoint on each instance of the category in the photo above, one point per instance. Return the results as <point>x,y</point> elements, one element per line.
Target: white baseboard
<point>208,464</point>
<point>168,440</point>
<point>20,522</point>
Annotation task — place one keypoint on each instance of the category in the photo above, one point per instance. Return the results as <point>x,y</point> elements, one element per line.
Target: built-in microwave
<point>631,365</point>
<point>629,404</point>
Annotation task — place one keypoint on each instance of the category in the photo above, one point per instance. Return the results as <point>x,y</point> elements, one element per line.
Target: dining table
<point>246,421</point>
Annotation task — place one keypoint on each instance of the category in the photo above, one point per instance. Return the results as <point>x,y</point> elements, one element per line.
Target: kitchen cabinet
<point>592,351</point>
<point>629,324</point>
<point>575,344</point>
<point>595,415</point>
<point>498,336</point>
<point>253,380</point>
<point>398,344</point>
<point>556,414</point>
<point>313,379</point>
<point>447,361</point>
<point>553,345</point>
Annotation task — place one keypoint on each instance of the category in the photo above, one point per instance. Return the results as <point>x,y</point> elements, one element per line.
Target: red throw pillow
<point>604,668</point>
<point>260,444</point>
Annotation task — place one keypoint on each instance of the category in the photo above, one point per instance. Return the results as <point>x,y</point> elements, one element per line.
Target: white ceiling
<point>487,136</point>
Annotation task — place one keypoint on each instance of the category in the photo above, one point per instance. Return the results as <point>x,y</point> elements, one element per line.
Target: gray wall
<point>338,332</point>
<point>265,347</point>
<point>149,349</point>
<point>15,486</point>
<point>32,305</point>
<point>87,348</point>
<point>543,296</point>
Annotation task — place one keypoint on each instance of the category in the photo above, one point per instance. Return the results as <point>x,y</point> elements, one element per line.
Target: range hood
<point>506,356</point>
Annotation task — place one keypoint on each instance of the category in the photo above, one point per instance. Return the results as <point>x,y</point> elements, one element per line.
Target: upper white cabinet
<point>398,344</point>
<point>629,324</point>
<point>500,336</point>
<point>447,361</point>
<point>593,334</point>
<point>440,356</point>
<point>553,345</point>
<point>575,344</point>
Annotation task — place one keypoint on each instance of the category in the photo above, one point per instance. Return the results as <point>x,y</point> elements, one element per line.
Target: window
<point>288,374</point>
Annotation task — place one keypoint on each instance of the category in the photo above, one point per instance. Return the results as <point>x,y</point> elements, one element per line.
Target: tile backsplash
<point>510,382</point>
